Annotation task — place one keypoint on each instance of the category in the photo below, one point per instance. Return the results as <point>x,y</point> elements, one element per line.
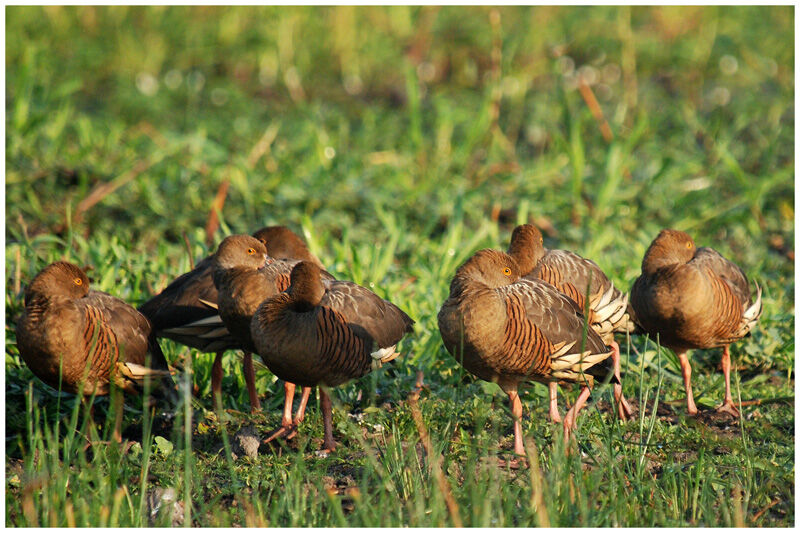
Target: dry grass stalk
<point>69,512</point>
<point>628,59</point>
<point>537,484</point>
<point>497,58</point>
<point>597,112</point>
<point>28,508</point>
<point>263,146</point>
<point>17,271</point>
<point>188,250</point>
<point>435,462</point>
<point>101,190</point>
<point>738,506</point>
<point>216,207</point>
<point>765,509</point>
<point>251,518</point>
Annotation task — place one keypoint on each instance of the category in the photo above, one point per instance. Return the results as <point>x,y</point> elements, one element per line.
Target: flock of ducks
<point>530,314</point>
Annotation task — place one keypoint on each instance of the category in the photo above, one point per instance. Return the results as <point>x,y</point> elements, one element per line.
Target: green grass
<point>399,141</point>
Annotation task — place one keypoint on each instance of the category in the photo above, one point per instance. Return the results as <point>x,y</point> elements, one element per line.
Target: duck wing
<point>544,333</point>
<point>366,312</point>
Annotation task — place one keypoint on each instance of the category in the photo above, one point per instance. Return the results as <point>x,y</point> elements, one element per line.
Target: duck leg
<point>516,412</point>
<point>727,405</point>
<point>328,444</point>
<point>301,409</point>
<point>624,409</point>
<point>555,417</point>
<point>686,369</point>
<point>570,420</point>
<point>287,429</point>
<point>250,380</point>
<point>216,381</point>
<point>288,389</point>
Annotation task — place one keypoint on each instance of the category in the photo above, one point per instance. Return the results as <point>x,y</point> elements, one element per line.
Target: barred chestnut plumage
<point>100,341</point>
<point>510,330</point>
<point>523,338</point>
<point>326,332</point>
<point>577,277</point>
<point>690,297</point>
<point>88,337</point>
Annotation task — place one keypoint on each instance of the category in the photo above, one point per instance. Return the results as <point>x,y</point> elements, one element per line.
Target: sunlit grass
<point>398,141</point>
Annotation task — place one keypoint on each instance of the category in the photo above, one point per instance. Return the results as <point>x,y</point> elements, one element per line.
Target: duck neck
<point>527,254</point>
<point>227,277</point>
<point>466,283</point>
<point>659,257</point>
<point>306,293</point>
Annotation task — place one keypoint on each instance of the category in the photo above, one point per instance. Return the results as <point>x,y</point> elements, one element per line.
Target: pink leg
<point>570,420</point>
<point>328,444</point>
<point>287,404</point>
<point>287,429</point>
<point>250,380</point>
<point>624,410</point>
<point>516,412</point>
<point>727,405</point>
<point>686,368</point>
<point>555,417</point>
<point>301,409</point>
<point>216,381</point>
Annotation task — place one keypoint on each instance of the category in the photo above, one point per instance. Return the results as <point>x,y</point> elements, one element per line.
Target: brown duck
<point>576,276</point>
<point>186,311</point>
<point>245,275</point>
<point>326,332</point>
<point>689,297</point>
<point>82,340</point>
<point>509,330</point>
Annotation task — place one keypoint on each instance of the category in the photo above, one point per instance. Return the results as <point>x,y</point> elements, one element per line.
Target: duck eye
<point>689,245</point>
<point>77,281</point>
<point>507,271</point>
<point>251,251</point>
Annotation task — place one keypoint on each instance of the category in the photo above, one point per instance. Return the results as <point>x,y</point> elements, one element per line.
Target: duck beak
<point>267,261</point>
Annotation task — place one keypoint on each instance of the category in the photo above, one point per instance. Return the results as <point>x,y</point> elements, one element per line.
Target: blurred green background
<point>399,140</point>
<point>339,112</point>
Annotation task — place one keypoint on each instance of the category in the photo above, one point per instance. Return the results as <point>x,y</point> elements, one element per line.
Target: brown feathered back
<point>186,310</point>
<point>283,243</point>
<point>575,277</point>
<point>692,298</point>
<point>245,276</point>
<point>190,298</point>
<point>72,331</point>
<point>326,331</point>
<point>506,329</point>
